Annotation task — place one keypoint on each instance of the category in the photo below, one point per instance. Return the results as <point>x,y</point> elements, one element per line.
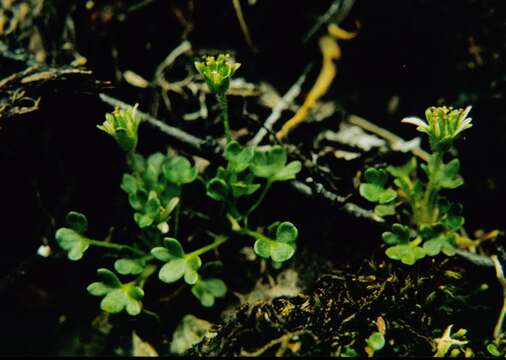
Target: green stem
<point>130,159</point>
<point>110,245</point>
<point>428,204</point>
<point>260,199</point>
<point>222,101</point>
<point>254,234</point>
<point>148,271</point>
<point>178,211</point>
<point>218,240</point>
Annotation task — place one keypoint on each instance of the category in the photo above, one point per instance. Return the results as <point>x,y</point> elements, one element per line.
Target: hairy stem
<point>222,101</point>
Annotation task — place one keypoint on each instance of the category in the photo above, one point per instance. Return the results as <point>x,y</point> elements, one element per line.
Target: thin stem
<point>222,101</point>
<point>110,245</point>
<point>260,199</point>
<point>254,234</point>
<point>431,190</point>
<point>218,240</point>
<point>178,212</point>
<point>148,271</point>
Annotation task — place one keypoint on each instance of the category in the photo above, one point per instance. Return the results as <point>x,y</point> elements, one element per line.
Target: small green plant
<point>427,222</point>
<point>217,74</point>
<point>155,187</point>
<point>450,342</point>
<point>375,343</point>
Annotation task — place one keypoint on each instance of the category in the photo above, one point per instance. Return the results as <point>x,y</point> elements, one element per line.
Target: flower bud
<point>122,125</point>
<point>217,72</point>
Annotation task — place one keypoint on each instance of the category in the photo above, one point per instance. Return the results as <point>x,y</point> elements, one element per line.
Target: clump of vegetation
<point>427,222</point>
<point>155,186</point>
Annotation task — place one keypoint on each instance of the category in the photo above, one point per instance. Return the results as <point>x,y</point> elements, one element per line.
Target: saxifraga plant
<point>155,186</point>
<point>427,222</point>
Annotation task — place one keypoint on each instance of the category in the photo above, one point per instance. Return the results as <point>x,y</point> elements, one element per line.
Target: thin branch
<point>395,141</point>
<point>282,104</point>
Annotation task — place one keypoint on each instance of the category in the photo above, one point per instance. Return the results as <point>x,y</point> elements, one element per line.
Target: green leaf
<point>209,289</point>
<point>262,248</point>
<point>143,220</point>
<point>238,157</point>
<point>431,231</point>
<point>129,184</point>
<point>179,171</point>
<point>152,208</point>
<point>493,350</point>
<point>449,178</point>
<point>114,302</point>
<point>161,254</point>
<point>404,171</point>
<point>138,200</point>
<point>373,189</point>
<point>117,296</point>
<point>98,289</point>
<point>242,184</point>
<point>377,177</point>
<point>453,219</point>
<point>173,270</point>
<point>267,162</point>
<point>243,189</point>
<point>108,278</point>
<point>280,249</point>
<point>129,266</point>
<point>217,189</point>
<point>376,341</point>
<point>72,242</point>
<point>77,222</point>
<point>174,247</point>
<point>178,265</point>
<point>406,253</point>
<point>443,243</point>
<point>288,172</point>
<point>286,232</point>
<point>138,163</point>
<point>399,235</point>
<point>384,210</point>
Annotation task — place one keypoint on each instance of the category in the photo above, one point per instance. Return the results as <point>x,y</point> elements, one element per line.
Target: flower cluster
<point>443,125</point>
